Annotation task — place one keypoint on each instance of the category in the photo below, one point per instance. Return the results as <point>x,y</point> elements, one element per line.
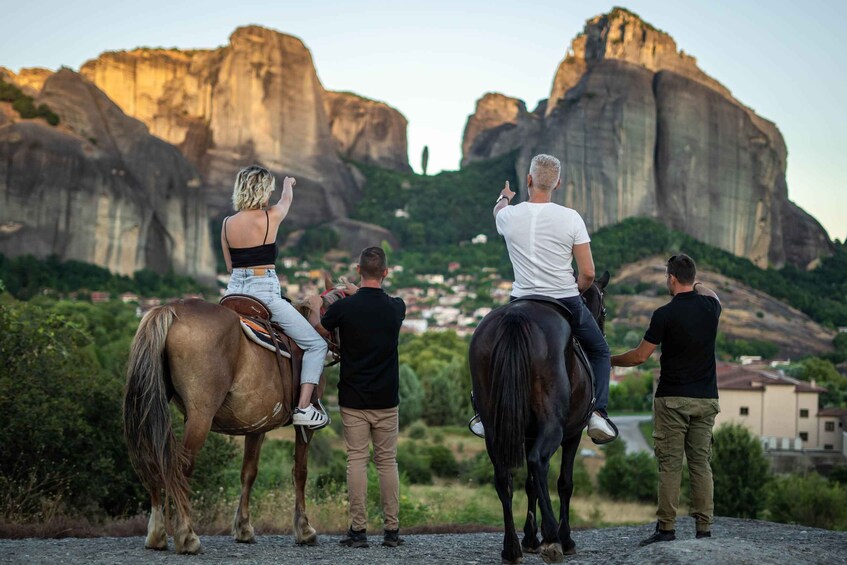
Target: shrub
<point>628,476</point>
<point>808,500</point>
<point>414,462</point>
<point>417,430</point>
<point>60,419</point>
<point>443,461</point>
<point>740,471</point>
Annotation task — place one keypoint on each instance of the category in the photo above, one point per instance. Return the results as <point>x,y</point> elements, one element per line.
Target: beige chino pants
<point>360,427</point>
<point>683,426</point>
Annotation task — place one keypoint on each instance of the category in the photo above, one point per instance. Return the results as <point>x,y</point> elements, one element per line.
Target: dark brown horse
<point>196,354</point>
<point>533,396</point>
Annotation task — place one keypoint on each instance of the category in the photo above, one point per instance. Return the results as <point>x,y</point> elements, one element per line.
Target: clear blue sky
<point>432,61</point>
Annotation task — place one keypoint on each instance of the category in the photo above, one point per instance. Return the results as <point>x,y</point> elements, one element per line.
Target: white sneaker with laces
<point>309,417</point>
<point>599,429</point>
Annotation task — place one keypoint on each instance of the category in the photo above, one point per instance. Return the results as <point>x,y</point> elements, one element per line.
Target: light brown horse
<point>196,354</point>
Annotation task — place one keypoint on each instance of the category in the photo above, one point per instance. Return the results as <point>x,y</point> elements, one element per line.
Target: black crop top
<point>264,254</point>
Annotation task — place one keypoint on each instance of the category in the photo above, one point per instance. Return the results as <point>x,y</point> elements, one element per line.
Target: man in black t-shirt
<point>686,400</point>
<point>368,392</point>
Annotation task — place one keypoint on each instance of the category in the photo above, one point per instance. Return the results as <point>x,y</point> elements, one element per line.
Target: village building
<point>781,410</point>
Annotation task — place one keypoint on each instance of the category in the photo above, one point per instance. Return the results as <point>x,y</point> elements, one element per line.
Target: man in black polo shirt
<point>686,400</point>
<point>369,325</point>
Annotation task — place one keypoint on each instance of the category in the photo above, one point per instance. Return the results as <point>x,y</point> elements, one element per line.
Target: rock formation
<point>257,99</point>
<point>368,131</point>
<point>98,188</point>
<point>642,131</point>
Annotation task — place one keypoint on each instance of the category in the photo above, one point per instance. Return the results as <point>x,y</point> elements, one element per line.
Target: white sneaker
<point>476,427</point>
<point>309,417</point>
<point>600,429</point>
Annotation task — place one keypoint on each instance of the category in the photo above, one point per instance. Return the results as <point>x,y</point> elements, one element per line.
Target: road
<point>631,434</point>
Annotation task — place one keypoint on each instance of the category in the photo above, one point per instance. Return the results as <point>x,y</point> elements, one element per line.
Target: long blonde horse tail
<point>158,458</point>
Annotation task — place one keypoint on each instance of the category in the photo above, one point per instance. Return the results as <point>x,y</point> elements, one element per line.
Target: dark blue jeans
<point>588,333</point>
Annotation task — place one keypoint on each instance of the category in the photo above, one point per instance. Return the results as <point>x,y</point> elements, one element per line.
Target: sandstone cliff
<point>99,188</point>
<point>257,99</point>
<point>642,131</point>
<point>368,131</point>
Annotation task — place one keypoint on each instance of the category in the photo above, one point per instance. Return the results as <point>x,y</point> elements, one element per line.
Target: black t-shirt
<point>686,327</point>
<point>369,327</point>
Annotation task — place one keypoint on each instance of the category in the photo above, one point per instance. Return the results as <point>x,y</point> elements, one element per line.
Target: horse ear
<point>604,280</point>
<point>328,284</point>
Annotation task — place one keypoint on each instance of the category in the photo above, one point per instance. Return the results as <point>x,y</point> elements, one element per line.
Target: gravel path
<point>735,541</point>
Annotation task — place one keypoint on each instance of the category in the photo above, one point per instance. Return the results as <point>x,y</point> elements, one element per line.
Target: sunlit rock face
<point>642,131</point>
<point>367,131</point>
<point>98,188</point>
<point>257,99</point>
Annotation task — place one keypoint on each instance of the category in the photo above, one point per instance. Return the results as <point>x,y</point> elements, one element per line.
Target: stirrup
<point>472,422</point>
<point>612,425</point>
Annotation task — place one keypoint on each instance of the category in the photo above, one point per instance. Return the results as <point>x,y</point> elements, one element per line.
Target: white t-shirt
<point>540,240</point>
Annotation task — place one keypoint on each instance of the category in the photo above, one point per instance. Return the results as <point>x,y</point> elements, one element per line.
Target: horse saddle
<point>579,352</point>
<point>255,319</point>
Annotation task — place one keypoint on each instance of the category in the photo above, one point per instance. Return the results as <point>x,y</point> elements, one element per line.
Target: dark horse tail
<point>154,452</point>
<point>510,386</point>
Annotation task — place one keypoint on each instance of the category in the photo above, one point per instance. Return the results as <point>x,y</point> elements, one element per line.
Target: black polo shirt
<point>686,327</point>
<point>369,327</point>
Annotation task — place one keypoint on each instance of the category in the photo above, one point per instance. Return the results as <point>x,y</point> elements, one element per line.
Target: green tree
<point>809,500</point>
<point>441,401</point>
<point>824,374</point>
<point>60,420</point>
<point>740,470</point>
<point>411,396</point>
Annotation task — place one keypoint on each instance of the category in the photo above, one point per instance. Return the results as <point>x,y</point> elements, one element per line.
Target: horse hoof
<point>191,545</point>
<point>552,553</point>
<point>157,542</point>
<point>507,562</point>
<point>244,534</point>
<point>312,541</point>
<point>570,550</point>
<point>527,549</point>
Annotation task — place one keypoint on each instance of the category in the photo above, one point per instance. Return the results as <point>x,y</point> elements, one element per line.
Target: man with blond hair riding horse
<point>543,239</point>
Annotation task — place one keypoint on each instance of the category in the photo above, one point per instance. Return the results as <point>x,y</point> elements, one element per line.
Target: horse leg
<point>530,541</point>
<point>503,483</point>
<point>196,429</point>
<point>538,462</point>
<point>565,486</point>
<point>304,533</point>
<point>241,527</point>
<point>157,535</point>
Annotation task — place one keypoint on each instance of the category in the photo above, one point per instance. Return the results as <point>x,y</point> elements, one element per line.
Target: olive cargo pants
<point>683,426</point>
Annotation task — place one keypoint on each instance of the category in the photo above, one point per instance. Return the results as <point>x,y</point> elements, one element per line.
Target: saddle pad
<point>259,335</point>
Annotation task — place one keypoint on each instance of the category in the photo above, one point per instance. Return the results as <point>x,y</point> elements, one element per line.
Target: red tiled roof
<point>746,377</point>
<point>837,412</point>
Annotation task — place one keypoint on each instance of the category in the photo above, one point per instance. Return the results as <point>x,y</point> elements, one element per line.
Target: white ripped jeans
<point>266,288</point>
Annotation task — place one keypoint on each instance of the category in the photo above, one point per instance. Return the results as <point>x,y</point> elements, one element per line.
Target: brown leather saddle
<point>254,311</point>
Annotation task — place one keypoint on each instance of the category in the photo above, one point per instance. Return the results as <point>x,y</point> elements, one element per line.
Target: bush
<point>413,461</point>
<point>808,500</point>
<point>60,420</point>
<point>442,461</point>
<point>740,471</point>
<point>629,477</point>
<point>417,430</point>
